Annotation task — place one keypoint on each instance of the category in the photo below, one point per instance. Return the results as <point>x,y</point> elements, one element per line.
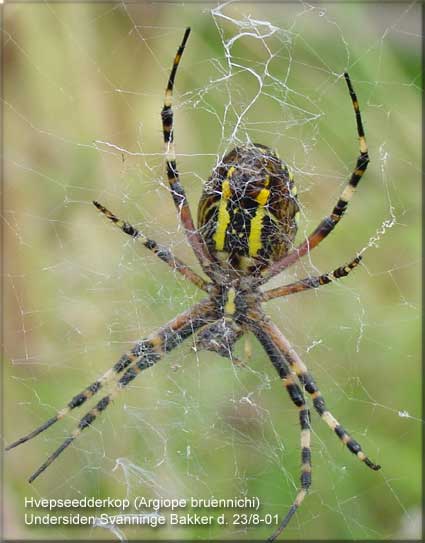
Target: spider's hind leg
<point>144,354</point>
<point>296,394</point>
<point>79,399</point>
<point>306,379</point>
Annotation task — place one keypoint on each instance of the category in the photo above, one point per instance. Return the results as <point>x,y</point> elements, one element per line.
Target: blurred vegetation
<point>80,77</point>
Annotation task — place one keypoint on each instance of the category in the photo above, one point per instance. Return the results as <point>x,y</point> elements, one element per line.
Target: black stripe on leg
<point>305,479</point>
<point>172,172</point>
<point>91,415</point>
<point>363,161</point>
<point>308,382</point>
<point>79,399</point>
<point>130,230</point>
<point>340,208</point>
<point>340,432</point>
<point>324,279</point>
<point>343,271</point>
<point>152,245</point>
<point>353,446</point>
<point>361,165</point>
<point>177,191</point>
<point>305,419</point>
<point>319,404</point>
<point>306,455</point>
<point>103,404</point>
<point>167,117</point>
<point>295,393</point>
<point>344,436</point>
<point>123,363</point>
<point>167,123</point>
<point>147,360</point>
<point>86,420</point>
<point>128,376</point>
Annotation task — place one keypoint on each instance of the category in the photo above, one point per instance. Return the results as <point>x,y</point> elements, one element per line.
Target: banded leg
<point>296,395</point>
<point>177,190</point>
<point>144,354</point>
<point>79,399</point>
<point>160,251</point>
<point>298,366</point>
<point>329,223</point>
<point>311,282</point>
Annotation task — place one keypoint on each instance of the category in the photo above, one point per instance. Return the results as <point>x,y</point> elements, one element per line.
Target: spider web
<point>81,111</point>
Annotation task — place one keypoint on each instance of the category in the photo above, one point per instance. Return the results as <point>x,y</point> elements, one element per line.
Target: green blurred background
<point>82,94</point>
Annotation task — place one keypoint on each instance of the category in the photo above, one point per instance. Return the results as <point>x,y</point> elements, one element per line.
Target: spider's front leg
<point>177,190</point>
<point>144,355</point>
<point>328,223</point>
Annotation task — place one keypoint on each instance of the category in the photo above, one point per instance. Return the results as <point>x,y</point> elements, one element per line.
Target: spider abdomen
<point>248,210</point>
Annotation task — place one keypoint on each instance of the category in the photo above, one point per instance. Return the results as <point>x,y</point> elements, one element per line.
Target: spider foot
<point>369,463</point>
<point>292,510</point>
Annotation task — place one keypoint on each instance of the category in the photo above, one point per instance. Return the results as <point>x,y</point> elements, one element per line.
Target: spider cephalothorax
<point>247,226</point>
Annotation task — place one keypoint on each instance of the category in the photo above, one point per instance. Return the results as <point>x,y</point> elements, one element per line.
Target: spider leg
<point>79,399</point>
<point>161,251</point>
<point>297,397</point>
<point>144,354</point>
<point>177,190</point>
<point>329,223</point>
<point>311,282</point>
<point>297,365</point>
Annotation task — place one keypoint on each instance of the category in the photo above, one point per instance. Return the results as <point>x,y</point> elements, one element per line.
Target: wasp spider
<point>247,222</point>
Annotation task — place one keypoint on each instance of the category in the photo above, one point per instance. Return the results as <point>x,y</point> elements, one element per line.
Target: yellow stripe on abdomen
<point>254,240</point>
<point>223,218</point>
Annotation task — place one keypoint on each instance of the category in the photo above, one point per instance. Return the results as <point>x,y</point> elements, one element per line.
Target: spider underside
<point>247,223</point>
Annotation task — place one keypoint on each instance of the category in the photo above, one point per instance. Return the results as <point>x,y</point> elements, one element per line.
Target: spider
<point>247,223</point>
